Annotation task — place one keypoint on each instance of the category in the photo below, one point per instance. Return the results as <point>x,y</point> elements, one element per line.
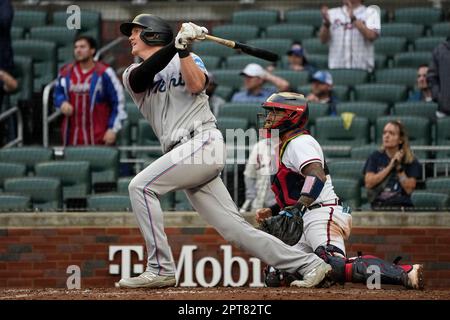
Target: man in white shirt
<point>350,31</point>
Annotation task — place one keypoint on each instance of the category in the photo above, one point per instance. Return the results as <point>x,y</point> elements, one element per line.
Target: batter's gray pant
<point>195,167</point>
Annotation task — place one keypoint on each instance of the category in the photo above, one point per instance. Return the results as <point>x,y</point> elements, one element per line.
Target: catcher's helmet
<point>156,30</point>
<point>295,107</point>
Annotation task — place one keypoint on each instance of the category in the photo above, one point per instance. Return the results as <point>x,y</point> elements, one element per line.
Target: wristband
<point>353,19</point>
<point>326,24</point>
<point>183,53</point>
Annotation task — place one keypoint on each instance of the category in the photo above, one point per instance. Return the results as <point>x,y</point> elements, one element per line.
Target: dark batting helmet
<point>295,107</point>
<point>156,30</point>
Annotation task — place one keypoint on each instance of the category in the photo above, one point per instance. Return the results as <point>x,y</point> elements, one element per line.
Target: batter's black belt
<point>182,140</point>
<point>337,202</point>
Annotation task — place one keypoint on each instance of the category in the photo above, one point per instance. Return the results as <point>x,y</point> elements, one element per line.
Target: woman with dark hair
<point>391,173</point>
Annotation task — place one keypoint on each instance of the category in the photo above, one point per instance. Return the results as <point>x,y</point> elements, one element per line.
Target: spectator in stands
<point>350,31</point>
<point>439,77</point>
<point>254,78</point>
<point>6,53</point>
<point>423,91</point>
<point>258,192</point>
<point>215,101</point>
<point>90,96</point>
<point>297,59</point>
<point>391,173</point>
<point>322,90</point>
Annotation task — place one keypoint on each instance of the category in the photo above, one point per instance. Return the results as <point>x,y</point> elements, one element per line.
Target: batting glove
<point>188,33</point>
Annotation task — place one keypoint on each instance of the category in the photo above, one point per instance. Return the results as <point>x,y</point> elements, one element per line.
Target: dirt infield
<point>349,292</point>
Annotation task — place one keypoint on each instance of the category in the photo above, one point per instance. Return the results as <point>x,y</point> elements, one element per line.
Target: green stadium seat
<point>75,176</point>
<point>11,170</point>
<point>109,202</point>
<point>381,61</point>
<point>278,46</point>
<point>348,190</point>
<point>367,109</point>
<point>91,22</point>
<point>341,92</point>
<point>314,46</point>
<point>441,29</point>
<point>402,76</point>
<point>388,93</point>
<point>231,123</point>
<point>14,202</point>
<point>443,136</point>
<point>320,61</point>
<point>24,73</point>
<point>229,78</point>
<point>17,33</point>
<point>409,31</point>
<point>239,61</point>
<point>295,78</point>
<point>413,108</point>
<point>363,152</point>
<point>133,117</point>
<point>349,77</point>
<point>412,59</point>
<point>429,201</point>
<point>60,35</point>
<point>347,169</point>
<point>428,43</point>
<point>104,164</point>
<point>241,33</point>
<point>147,137</point>
<point>181,202</point>
<point>330,131</point>
<point>390,46</point>
<point>224,92</point>
<point>422,15</point>
<point>208,48</point>
<point>28,156</point>
<point>45,193</point>
<point>384,16</point>
<point>295,32</point>
<point>310,17</point>
<point>65,55</point>
<point>418,128</point>
<point>316,111</point>
<point>211,62</point>
<point>259,18</point>
<point>246,111</point>
<point>43,54</point>
<point>438,185</point>
<point>122,185</point>
<point>29,18</point>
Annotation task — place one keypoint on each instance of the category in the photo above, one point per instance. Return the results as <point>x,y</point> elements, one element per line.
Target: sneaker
<point>415,277</point>
<point>148,280</point>
<point>313,278</point>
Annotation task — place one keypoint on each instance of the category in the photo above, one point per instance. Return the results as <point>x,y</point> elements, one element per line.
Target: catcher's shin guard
<point>335,257</point>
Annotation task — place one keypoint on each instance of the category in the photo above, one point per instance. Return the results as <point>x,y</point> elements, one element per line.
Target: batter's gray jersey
<point>171,112</point>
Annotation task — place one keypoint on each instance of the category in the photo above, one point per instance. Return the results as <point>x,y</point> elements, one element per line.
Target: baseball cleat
<point>148,280</point>
<point>313,278</point>
<point>415,277</point>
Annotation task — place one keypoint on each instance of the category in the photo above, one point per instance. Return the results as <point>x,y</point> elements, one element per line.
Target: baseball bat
<point>253,51</point>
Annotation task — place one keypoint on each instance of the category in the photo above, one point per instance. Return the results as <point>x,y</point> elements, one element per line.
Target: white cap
<point>253,70</point>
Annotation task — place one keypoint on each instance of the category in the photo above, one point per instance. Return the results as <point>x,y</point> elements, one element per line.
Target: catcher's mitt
<point>287,226</point>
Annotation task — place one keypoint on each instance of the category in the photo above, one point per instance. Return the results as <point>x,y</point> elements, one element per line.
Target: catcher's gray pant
<point>195,166</point>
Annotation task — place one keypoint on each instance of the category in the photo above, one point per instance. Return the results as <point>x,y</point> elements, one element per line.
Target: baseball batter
<point>303,185</point>
<point>168,87</point>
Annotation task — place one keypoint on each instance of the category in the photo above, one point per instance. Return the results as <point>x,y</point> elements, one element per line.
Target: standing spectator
<point>254,78</point>
<point>439,77</point>
<point>90,96</point>
<point>322,90</point>
<point>391,173</point>
<point>297,59</point>
<point>350,31</point>
<point>423,91</point>
<point>215,101</point>
<point>258,193</point>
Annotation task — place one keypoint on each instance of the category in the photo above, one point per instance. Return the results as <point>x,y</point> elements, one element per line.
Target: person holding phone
<point>391,173</point>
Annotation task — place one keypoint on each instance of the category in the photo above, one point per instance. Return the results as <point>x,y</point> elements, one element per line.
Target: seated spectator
<point>391,173</point>
<point>8,83</point>
<point>322,90</point>
<point>215,101</point>
<point>439,77</point>
<point>297,59</point>
<point>423,92</point>
<point>254,78</point>
<point>90,96</point>
<point>258,193</point>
